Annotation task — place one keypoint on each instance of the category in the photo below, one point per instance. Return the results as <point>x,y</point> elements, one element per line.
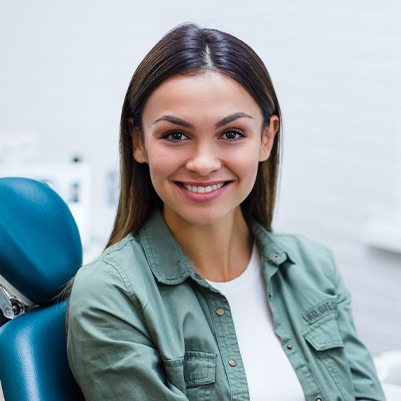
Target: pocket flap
<point>199,368</point>
<point>324,334</point>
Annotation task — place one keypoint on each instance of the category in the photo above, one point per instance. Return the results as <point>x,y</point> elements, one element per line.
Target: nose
<point>204,160</point>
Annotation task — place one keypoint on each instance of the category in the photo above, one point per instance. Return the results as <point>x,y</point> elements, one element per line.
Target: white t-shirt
<point>269,373</point>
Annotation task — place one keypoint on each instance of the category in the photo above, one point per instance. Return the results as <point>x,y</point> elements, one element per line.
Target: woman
<point>195,298</point>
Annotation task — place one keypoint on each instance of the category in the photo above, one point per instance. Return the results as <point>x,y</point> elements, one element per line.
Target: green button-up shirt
<point>144,325</point>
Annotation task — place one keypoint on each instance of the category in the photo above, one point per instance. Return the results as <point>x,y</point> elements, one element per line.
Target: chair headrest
<point>40,246</point>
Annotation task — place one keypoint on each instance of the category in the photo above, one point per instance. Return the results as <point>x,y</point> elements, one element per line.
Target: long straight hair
<point>189,49</point>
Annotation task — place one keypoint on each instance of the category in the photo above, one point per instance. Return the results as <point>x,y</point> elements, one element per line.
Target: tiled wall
<point>342,104</point>
<point>335,65</point>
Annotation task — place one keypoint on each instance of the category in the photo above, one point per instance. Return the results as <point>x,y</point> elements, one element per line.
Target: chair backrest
<point>40,251</point>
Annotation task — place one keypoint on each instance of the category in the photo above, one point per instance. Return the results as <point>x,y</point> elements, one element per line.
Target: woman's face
<point>203,137</point>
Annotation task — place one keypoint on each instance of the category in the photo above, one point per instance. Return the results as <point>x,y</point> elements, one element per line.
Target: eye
<point>175,136</point>
<point>232,135</point>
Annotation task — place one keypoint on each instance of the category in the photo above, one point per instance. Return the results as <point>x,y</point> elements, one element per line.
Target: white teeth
<point>202,190</point>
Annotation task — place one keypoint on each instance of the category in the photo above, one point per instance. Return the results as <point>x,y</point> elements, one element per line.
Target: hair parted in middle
<point>189,49</point>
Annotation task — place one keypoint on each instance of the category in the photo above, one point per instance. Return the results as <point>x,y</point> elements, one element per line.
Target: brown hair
<point>188,49</point>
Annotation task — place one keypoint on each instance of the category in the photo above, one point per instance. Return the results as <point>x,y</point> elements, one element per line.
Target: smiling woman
<point>207,151</point>
<point>195,298</point>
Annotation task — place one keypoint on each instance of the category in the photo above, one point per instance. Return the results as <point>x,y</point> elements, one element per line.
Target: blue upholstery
<point>40,251</point>
<point>33,362</point>
<point>40,247</point>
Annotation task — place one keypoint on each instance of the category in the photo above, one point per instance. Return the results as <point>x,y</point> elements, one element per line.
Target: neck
<point>219,252</point>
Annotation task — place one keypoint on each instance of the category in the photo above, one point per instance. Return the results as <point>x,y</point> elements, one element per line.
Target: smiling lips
<point>202,189</point>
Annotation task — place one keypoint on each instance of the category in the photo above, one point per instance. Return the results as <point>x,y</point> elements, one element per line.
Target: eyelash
<point>169,136</point>
<point>239,135</point>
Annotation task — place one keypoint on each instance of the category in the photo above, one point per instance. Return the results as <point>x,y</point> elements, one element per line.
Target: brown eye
<point>175,136</point>
<point>232,135</point>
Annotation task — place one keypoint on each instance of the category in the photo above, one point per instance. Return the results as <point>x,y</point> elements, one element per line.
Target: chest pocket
<point>327,345</point>
<point>194,375</point>
<point>324,334</point>
<point>199,368</point>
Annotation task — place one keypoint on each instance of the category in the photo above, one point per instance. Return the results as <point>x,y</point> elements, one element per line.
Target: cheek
<point>161,165</point>
<point>252,171</point>
<point>246,162</point>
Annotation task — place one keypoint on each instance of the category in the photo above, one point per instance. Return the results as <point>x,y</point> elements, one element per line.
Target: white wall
<point>65,67</point>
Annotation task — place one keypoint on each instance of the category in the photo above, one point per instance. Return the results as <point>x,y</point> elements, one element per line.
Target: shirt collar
<point>165,258</point>
<point>169,264</point>
<point>269,246</point>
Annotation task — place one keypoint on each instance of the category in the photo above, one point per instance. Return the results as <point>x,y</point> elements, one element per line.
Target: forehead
<point>205,93</point>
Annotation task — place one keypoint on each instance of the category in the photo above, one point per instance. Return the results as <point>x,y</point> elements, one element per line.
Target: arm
<point>365,380</point>
<point>110,349</point>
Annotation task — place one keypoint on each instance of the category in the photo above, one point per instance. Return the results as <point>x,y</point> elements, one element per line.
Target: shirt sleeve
<point>109,347</point>
<point>366,383</point>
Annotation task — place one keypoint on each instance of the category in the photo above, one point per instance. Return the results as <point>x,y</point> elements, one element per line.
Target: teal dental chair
<point>40,251</point>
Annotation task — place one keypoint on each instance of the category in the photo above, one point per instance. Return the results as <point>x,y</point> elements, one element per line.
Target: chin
<point>207,218</point>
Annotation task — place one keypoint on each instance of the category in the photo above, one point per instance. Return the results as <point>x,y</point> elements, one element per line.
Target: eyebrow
<point>174,120</point>
<point>179,121</point>
<point>232,117</point>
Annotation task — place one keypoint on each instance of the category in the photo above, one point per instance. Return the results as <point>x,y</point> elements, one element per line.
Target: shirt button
<point>219,311</point>
<point>232,363</point>
<point>289,346</point>
<point>198,276</point>
<point>318,399</point>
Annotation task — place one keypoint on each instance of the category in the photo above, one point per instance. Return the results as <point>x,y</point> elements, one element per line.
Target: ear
<point>268,136</point>
<point>139,153</point>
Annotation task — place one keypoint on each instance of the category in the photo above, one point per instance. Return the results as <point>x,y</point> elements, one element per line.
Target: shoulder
<point>313,257</point>
<point>296,247</point>
<point>118,270</point>
<point>307,265</point>
<point>300,247</point>
<point>312,260</point>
